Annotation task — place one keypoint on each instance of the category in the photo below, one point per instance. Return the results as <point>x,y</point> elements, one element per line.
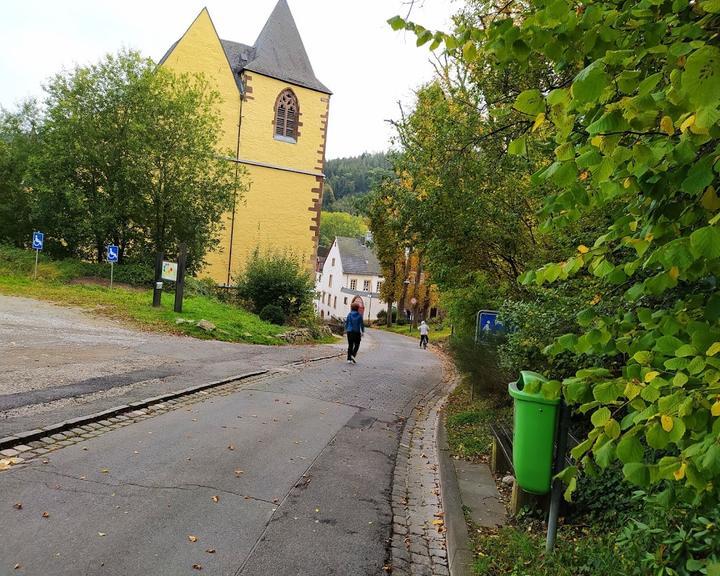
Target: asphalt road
<point>58,363</point>
<point>301,465</point>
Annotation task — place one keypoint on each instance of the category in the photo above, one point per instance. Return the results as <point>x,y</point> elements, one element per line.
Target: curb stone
<point>460,554</point>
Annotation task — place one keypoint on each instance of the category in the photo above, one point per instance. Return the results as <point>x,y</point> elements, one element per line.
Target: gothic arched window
<point>286,116</point>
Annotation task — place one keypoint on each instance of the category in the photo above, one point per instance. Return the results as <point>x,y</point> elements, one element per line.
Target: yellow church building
<point>274,114</point>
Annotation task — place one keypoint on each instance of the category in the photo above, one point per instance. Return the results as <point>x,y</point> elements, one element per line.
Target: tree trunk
<point>418,272</point>
<point>388,321</point>
<point>401,302</point>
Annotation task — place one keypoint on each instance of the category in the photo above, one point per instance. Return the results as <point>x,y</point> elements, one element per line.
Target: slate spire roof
<point>278,52</point>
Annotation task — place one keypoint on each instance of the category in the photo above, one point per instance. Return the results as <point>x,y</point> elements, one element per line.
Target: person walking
<point>354,328</point>
<point>424,331</point>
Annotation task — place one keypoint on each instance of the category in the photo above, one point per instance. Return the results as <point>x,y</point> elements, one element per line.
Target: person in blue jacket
<point>355,329</point>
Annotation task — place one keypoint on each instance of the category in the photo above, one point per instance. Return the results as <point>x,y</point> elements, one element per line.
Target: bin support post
<point>556,494</point>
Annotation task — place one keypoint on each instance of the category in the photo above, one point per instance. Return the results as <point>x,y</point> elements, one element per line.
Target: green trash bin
<point>535,422</point>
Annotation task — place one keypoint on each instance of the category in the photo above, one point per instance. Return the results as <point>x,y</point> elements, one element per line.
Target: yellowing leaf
<point>714,349</point>
<point>437,522</point>
<point>539,121</point>
<point>104,470</point>
<point>193,538</point>
<point>710,200</point>
<point>674,272</point>
<point>679,474</point>
<point>633,226</point>
<point>597,141</point>
<point>627,183</point>
<point>667,422</point>
<point>583,249</point>
<point>596,299</point>
<point>650,376</point>
<point>715,410</point>
<point>689,121</point>
<point>666,125</point>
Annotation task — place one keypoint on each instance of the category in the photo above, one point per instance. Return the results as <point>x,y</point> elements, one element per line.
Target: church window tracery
<point>287,112</point>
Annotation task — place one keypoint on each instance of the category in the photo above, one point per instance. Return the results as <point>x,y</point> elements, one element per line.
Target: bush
<point>273,313</point>
<point>480,361</point>
<point>278,279</point>
<point>200,287</point>
<point>382,316</point>
<point>683,540</point>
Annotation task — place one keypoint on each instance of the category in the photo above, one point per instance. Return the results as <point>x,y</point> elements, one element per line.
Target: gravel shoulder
<point>58,363</point>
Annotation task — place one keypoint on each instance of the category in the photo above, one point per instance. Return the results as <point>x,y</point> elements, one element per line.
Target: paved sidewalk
<point>419,546</point>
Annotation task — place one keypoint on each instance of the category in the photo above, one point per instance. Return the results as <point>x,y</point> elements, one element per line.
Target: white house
<point>350,272</point>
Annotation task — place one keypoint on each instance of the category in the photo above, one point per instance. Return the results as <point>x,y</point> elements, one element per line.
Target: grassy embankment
<point>518,548</point>
<point>65,282</point>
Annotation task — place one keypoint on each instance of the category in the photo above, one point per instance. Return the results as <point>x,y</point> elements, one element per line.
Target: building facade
<point>350,272</point>
<point>274,113</point>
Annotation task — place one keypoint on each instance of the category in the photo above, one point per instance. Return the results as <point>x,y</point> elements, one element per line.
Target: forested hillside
<point>348,180</point>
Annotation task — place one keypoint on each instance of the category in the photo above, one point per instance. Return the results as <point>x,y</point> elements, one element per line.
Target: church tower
<point>275,113</point>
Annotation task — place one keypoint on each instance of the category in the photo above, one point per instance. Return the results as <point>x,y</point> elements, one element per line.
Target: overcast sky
<point>353,51</point>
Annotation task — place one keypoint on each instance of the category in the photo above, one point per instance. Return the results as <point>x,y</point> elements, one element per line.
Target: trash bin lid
<point>517,389</point>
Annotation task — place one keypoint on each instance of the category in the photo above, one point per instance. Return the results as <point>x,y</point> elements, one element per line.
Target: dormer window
<point>287,112</point>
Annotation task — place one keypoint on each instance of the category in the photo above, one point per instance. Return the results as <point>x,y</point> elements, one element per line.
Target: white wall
<point>336,303</point>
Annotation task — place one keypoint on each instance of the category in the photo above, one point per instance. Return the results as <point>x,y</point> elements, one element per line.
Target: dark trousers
<point>353,343</point>
<point>423,338</point>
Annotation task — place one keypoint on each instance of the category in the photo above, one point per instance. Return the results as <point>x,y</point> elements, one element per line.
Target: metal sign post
<point>38,239</point>
<point>112,256</point>
<point>558,465</point>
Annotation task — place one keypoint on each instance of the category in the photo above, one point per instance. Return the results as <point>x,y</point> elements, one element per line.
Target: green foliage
<point>683,542</point>
<point>480,362</point>
<point>467,420</point>
<point>349,179</point>
<point>277,279</point>
<point>18,142</point>
<point>514,551</point>
<point>631,105</point>
<point>124,153</point>
<point>340,224</point>
<point>272,313</point>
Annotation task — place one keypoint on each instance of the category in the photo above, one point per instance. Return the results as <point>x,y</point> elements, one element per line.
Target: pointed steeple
<point>280,53</point>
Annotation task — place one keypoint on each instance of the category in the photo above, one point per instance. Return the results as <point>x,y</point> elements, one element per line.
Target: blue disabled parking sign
<point>38,240</point>
<point>112,253</point>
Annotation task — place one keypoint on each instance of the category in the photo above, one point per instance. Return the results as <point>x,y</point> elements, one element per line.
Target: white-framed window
<point>345,300</point>
<point>366,285</point>
<point>353,284</point>
<point>379,285</point>
<point>335,302</point>
<point>330,281</point>
<point>333,261</point>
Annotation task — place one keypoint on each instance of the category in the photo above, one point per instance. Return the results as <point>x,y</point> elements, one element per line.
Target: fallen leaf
<point>210,550</point>
<point>101,534</point>
<point>105,470</point>
<point>192,538</point>
<point>231,447</point>
<point>216,499</point>
<point>6,463</point>
<point>197,567</point>
<point>239,473</point>
<point>438,522</point>
<point>46,515</point>
<point>18,505</point>
<point>84,447</point>
<point>275,500</point>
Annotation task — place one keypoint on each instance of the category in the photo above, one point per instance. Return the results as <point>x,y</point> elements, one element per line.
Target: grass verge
<point>131,305</point>
<point>518,548</point>
<point>436,336</point>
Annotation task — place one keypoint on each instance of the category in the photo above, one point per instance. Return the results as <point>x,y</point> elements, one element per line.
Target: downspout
<point>237,177</point>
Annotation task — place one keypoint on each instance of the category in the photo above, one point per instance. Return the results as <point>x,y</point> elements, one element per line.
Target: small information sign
<point>169,271</point>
